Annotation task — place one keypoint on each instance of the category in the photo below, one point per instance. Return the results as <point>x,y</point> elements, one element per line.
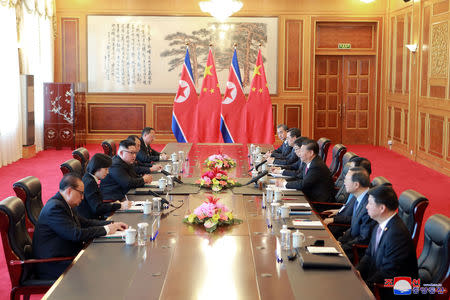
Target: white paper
<point>278,175</point>
<point>296,204</point>
<point>316,250</point>
<point>117,234</point>
<point>307,223</point>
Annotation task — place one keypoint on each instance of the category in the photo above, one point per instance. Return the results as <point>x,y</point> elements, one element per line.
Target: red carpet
<point>402,172</point>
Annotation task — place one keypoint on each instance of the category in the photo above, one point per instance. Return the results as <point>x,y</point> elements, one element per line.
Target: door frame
<point>376,50</point>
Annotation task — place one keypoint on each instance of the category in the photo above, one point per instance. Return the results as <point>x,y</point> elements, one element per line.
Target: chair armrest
<point>376,289</point>
<point>108,201</point>
<point>337,204</point>
<point>40,260</point>
<point>340,225</point>
<point>355,249</point>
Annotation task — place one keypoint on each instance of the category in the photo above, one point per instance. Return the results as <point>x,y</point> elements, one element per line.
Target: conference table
<point>184,261</point>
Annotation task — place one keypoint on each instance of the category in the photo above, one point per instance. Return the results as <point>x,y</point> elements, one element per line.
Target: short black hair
<point>298,142</point>
<point>132,137</point>
<point>284,126</point>
<point>360,176</point>
<point>98,161</point>
<point>385,195</point>
<point>71,180</point>
<point>362,162</point>
<point>295,132</point>
<point>147,130</point>
<point>126,144</point>
<point>311,145</point>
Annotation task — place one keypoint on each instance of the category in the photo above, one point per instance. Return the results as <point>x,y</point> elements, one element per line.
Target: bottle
<point>285,238</point>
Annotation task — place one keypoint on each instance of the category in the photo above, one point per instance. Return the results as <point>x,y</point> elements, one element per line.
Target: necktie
<point>377,238</point>
<point>355,207</point>
<point>306,169</point>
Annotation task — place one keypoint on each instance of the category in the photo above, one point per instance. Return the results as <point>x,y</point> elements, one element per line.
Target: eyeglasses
<point>81,192</point>
<point>131,152</point>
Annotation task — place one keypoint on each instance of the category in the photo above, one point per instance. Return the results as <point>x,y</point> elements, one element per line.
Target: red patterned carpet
<point>402,172</point>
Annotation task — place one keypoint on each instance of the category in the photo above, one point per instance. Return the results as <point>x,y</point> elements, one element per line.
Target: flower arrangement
<point>211,215</point>
<point>216,179</point>
<point>221,161</point>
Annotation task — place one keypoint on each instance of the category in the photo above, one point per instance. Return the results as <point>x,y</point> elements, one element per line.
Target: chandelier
<point>220,9</point>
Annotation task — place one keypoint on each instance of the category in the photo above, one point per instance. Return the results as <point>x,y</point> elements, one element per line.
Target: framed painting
<point>145,54</point>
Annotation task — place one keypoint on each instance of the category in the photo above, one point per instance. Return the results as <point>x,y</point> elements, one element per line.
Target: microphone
<point>255,179</point>
<point>258,165</point>
<point>174,177</point>
<point>163,200</point>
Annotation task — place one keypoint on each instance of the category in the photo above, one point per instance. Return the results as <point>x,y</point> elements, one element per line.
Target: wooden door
<point>344,98</point>
<point>358,75</point>
<point>327,98</point>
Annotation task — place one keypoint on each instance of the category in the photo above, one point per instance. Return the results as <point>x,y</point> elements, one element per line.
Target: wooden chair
<point>29,190</point>
<point>18,250</point>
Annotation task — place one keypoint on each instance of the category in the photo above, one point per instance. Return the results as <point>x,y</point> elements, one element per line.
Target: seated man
<point>357,161</point>
<point>146,154</point>
<point>122,177</point>
<point>314,179</point>
<point>140,167</point>
<point>61,232</point>
<point>284,149</point>
<point>292,169</point>
<point>356,184</point>
<point>391,252</point>
<point>291,158</point>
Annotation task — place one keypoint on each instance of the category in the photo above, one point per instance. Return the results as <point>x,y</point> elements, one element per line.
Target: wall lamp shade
<point>412,47</point>
<point>220,9</point>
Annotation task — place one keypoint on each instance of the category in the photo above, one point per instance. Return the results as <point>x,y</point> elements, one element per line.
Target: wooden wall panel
<point>293,55</point>
<point>406,127</point>
<point>162,118</point>
<point>440,7</point>
<point>422,131</point>
<point>116,118</point>
<point>399,54</point>
<point>436,136</point>
<point>70,50</point>
<point>397,124</point>
<point>274,117</point>
<point>293,116</point>
<point>425,50</point>
<point>359,35</point>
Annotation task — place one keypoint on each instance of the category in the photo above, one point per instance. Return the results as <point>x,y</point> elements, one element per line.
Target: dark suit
<point>316,184</point>
<point>289,160</point>
<point>92,206</point>
<point>282,151</point>
<point>343,217</point>
<point>360,230</point>
<point>61,232</point>
<point>292,170</point>
<point>395,256</point>
<point>146,154</point>
<point>121,178</point>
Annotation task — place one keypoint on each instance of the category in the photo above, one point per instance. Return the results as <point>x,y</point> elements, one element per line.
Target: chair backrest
<point>347,156</point>
<point>82,155</point>
<point>71,166</point>
<point>29,190</point>
<point>324,145</point>
<point>15,238</point>
<point>336,164</point>
<point>109,147</point>
<point>340,181</point>
<point>411,207</point>
<point>434,266</point>
<point>380,180</point>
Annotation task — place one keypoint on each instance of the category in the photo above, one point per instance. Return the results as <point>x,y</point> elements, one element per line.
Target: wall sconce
<point>412,47</point>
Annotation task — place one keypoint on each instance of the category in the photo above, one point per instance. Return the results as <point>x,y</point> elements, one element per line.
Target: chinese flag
<point>259,107</point>
<point>234,113</point>
<point>208,111</point>
<point>185,106</point>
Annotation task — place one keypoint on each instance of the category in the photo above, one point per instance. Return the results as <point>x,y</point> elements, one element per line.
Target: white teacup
<point>277,196</point>
<point>285,211</point>
<point>147,207</point>
<point>162,182</point>
<point>130,236</point>
<point>298,239</point>
<point>174,157</point>
<point>168,168</point>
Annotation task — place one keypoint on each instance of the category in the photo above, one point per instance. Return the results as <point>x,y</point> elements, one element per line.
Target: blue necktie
<point>355,207</point>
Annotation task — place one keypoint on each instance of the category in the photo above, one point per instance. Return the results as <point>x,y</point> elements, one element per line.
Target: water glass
<point>142,233</point>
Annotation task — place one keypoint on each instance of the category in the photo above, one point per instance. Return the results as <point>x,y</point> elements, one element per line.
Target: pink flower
<point>223,217</point>
<point>223,183</point>
<point>222,207</point>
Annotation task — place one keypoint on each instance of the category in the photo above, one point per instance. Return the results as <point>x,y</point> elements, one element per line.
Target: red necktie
<point>306,169</point>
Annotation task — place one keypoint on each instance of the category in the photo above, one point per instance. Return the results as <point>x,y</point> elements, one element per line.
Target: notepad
<point>116,235</point>
<point>279,175</point>
<point>296,204</point>
<point>307,223</point>
<point>322,250</point>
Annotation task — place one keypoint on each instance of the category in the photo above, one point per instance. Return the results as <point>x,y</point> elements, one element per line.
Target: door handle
<point>340,110</point>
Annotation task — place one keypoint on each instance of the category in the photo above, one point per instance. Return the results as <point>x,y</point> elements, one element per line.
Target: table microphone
<point>174,178</point>
<point>258,165</point>
<point>163,200</point>
<point>255,179</point>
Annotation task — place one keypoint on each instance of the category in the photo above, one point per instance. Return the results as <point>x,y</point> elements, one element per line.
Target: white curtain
<point>36,42</point>
<point>10,110</point>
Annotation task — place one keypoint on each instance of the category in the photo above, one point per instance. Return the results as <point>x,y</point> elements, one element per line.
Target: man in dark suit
<point>291,158</point>
<point>291,170</point>
<point>140,167</point>
<point>284,149</point>
<point>391,251</point>
<point>356,161</point>
<point>146,154</point>
<point>354,212</point>
<point>122,176</point>
<point>61,232</point>
<point>314,179</point>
